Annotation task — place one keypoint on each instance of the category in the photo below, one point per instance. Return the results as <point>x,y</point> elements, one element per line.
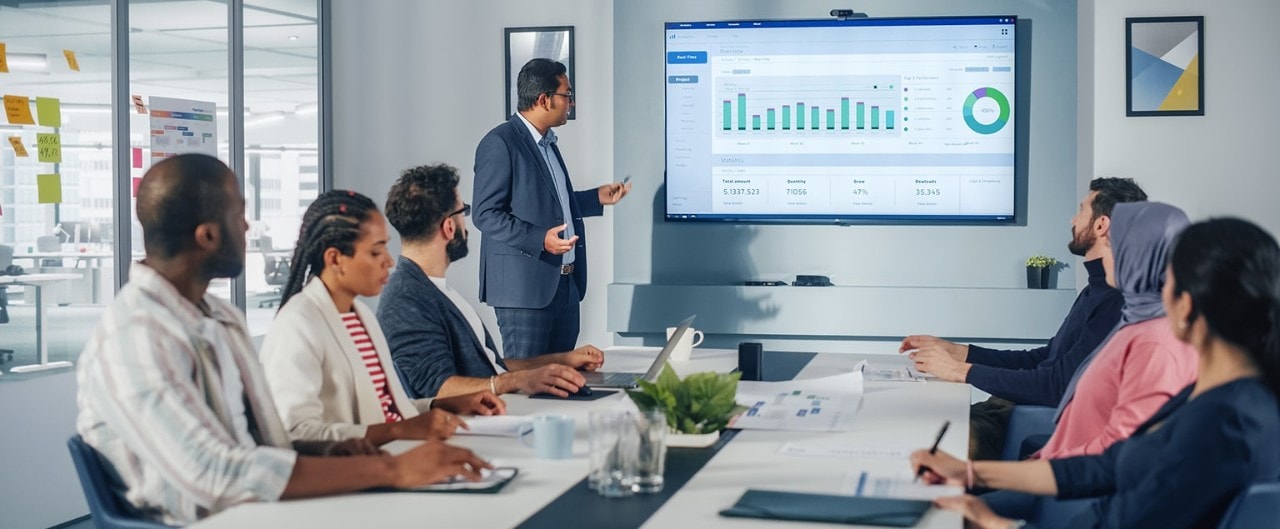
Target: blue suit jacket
<point>515,204</point>
<point>429,338</point>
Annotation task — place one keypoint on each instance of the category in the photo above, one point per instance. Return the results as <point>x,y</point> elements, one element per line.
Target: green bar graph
<point>831,119</point>
<point>844,113</point>
<point>813,123</point>
<point>755,122</point>
<point>799,116</point>
<point>786,117</point>
<point>728,115</point>
<point>769,113</point>
<point>875,117</point>
<point>742,111</point>
<point>888,119</point>
<point>862,115</point>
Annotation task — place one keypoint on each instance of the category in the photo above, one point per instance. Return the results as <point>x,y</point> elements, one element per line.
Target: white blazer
<point>320,385</point>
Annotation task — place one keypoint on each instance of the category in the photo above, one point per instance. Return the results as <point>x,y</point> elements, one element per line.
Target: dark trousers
<point>527,333</point>
<point>988,424</point>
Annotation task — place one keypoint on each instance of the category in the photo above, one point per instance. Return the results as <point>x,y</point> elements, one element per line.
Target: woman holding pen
<point>1184,466</point>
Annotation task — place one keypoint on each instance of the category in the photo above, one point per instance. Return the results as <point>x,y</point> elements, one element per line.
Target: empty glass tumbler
<point>613,442</point>
<point>651,450</point>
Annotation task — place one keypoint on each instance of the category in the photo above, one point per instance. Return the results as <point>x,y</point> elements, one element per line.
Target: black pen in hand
<point>934,450</point>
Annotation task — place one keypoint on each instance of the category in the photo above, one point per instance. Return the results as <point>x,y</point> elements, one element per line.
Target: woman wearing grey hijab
<point>1142,364</point>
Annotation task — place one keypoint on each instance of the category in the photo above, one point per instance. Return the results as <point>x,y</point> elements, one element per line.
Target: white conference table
<point>902,414</point>
<point>36,282</point>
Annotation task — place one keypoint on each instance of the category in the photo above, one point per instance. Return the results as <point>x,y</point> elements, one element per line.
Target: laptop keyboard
<point>612,379</point>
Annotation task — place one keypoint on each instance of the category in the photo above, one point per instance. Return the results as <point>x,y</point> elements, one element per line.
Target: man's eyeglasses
<point>568,94</point>
<point>465,211</point>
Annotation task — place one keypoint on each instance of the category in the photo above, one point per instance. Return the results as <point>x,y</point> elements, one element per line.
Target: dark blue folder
<point>852,510</point>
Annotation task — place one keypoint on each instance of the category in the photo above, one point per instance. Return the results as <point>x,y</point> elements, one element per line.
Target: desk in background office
<point>91,259</point>
<point>892,413</point>
<point>37,282</point>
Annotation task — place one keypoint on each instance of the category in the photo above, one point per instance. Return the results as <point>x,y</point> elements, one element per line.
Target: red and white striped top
<point>370,357</point>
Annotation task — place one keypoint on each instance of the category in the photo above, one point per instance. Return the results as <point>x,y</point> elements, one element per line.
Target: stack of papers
<point>826,404</point>
<point>900,485</point>
<point>893,374</point>
<point>803,449</point>
<point>496,425</point>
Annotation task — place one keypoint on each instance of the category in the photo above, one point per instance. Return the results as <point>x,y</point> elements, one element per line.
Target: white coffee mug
<point>692,338</point>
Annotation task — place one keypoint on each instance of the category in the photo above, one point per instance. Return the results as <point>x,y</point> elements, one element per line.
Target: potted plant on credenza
<point>1042,272</point>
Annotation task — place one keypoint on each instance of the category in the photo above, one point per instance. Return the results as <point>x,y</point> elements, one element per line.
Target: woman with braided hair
<point>326,360</point>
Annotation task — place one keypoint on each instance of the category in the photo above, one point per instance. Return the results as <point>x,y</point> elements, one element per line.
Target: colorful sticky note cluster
<point>49,188</point>
<point>18,108</point>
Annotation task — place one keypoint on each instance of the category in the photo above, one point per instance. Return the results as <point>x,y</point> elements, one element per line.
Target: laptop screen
<point>658,362</point>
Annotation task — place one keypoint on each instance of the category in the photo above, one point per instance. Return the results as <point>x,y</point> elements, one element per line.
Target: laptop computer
<point>604,379</point>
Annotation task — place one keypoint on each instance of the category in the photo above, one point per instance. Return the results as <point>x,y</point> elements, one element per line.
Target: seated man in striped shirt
<point>171,394</point>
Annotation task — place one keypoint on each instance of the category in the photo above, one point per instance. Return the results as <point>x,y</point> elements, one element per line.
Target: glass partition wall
<point>255,60</point>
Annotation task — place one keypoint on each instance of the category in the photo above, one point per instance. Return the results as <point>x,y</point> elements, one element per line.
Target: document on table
<point>901,485</point>
<point>893,374</point>
<point>803,449</point>
<point>495,425</point>
<point>827,404</point>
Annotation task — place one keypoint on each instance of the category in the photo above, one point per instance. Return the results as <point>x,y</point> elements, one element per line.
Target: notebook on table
<point>850,510</point>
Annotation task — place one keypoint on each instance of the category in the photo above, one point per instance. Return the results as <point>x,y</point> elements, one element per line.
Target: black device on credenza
<point>812,281</point>
<point>751,360</point>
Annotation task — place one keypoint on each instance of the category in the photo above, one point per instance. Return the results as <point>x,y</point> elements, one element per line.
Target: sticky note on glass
<point>49,147</point>
<point>137,104</point>
<point>49,188</point>
<point>137,158</point>
<point>136,182</point>
<point>4,59</point>
<point>71,60</point>
<point>49,109</point>
<point>18,108</point>
<point>19,149</point>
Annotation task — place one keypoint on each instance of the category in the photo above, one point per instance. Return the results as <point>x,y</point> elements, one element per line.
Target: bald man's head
<point>178,195</point>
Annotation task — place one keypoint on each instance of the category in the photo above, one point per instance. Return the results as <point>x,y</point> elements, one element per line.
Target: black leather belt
<point>566,269</point>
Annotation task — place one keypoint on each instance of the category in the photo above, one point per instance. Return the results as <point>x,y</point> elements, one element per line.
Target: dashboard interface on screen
<point>835,121</point>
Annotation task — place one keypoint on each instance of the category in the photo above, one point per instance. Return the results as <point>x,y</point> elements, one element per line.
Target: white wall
<point>1222,163</point>
<point>421,82</point>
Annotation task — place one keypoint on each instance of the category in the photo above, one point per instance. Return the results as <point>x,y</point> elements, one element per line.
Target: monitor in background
<point>77,232</point>
<point>838,121</point>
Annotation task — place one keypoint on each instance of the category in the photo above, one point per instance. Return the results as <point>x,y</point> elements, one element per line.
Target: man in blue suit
<point>533,258</point>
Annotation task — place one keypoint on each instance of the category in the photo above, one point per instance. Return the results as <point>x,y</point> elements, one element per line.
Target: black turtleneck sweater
<point>1040,376</point>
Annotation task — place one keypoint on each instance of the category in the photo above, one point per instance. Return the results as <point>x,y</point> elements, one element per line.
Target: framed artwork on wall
<point>523,44</point>
<point>1165,66</point>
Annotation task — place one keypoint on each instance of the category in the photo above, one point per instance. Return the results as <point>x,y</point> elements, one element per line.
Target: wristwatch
<point>1017,524</point>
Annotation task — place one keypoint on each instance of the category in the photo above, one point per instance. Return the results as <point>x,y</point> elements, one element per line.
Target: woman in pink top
<point>1142,364</point>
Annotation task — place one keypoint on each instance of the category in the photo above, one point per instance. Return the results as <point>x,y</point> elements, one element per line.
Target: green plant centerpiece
<point>701,403</point>
<point>1041,261</point>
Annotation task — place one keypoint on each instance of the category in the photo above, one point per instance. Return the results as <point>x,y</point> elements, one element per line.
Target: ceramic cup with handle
<point>692,338</point>
<point>552,436</point>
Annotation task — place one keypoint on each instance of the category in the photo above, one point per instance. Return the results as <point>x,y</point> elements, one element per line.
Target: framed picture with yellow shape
<point>1165,66</point>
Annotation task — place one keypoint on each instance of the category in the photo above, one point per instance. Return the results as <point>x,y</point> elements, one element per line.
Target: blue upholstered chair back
<point>1257,507</point>
<point>1026,421</point>
<point>108,510</point>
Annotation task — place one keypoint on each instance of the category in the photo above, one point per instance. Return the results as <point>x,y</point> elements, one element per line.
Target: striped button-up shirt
<point>172,395</point>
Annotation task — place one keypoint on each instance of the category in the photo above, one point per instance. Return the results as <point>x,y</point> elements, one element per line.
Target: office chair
<point>275,268</point>
<point>1257,507</point>
<point>108,510</point>
<point>1026,422</point>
